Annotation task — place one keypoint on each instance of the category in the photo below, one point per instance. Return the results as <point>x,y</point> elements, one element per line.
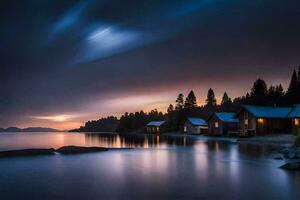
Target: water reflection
<point>162,167</point>
<point>136,141</point>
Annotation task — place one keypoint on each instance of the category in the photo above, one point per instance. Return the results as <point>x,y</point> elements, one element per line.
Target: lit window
<point>246,121</point>
<point>260,120</point>
<point>185,129</point>
<point>157,129</point>
<point>216,124</point>
<point>296,122</point>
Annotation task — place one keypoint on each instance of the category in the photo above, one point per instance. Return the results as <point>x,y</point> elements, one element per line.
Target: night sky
<point>64,62</point>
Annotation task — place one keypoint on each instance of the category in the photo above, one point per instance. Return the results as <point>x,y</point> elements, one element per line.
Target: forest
<point>183,107</point>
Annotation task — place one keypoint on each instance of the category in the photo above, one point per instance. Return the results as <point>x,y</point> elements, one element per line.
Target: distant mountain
<point>39,129</point>
<point>12,129</point>
<point>29,129</point>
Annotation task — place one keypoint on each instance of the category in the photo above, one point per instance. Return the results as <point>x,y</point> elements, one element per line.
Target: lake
<point>159,167</point>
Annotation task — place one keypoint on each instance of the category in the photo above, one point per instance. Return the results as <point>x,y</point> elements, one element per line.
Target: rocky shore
<point>291,153</point>
<point>51,151</point>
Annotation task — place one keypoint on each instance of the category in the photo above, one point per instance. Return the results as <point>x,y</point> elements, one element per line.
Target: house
<point>295,116</point>
<point>261,120</point>
<point>155,126</point>
<point>222,123</point>
<point>195,126</point>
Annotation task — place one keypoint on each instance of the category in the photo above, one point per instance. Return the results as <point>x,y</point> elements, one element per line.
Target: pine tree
<point>179,102</point>
<point>190,101</point>
<point>211,99</point>
<point>293,84</point>
<point>299,74</point>
<point>279,89</point>
<point>226,100</point>
<point>170,109</point>
<point>292,89</point>
<point>272,95</point>
<point>298,88</point>
<point>259,92</point>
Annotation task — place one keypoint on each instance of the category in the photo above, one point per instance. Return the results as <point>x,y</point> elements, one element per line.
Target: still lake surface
<point>160,167</point>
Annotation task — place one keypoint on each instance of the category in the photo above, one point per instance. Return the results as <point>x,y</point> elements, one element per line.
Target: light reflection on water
<point>162,167</point>
<point>56,140</point>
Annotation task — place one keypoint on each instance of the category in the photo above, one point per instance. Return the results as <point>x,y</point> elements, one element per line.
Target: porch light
<point>260,120</point>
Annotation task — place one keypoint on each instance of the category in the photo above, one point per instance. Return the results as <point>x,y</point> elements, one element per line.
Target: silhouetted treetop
<point>179,102</point>
<point>170,108</point>
<point>226,99</point>
<point>211,99</point>
<point>190,101</point>
<point>259,92</point>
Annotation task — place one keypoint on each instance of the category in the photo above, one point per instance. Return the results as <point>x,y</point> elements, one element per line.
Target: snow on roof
<point>227,117</point>
<point>156,123</point>
<point>197,121</point>
<point>295,112</point>
<point>268,112</point>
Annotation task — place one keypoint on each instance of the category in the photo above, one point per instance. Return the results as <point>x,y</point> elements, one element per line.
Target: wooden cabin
<point>195,126</point>
<point>155,127</point>
<point>261,120</point>
<point>295,117</point>
<point>223,123</point>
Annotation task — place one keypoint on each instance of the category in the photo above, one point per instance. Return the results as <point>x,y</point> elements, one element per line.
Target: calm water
<point>160,168</point>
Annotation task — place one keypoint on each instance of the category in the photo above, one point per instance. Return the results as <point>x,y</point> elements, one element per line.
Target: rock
<point>290,156</point>
<point>278,158</point>
<point>27,152</point>
<point>287,150</point>
<point>291,166</point>
<point>78,149</point>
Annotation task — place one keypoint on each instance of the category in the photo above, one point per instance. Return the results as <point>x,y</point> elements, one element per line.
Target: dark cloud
<point>60,57</point>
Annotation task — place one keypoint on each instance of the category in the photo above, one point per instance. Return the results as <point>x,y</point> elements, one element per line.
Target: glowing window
<point>296,122</point>
<point>216,124</point>
<point>246,121</point>
<point>185,129</point>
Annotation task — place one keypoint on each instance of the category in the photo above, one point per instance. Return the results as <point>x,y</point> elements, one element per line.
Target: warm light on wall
<point>296,122</point>
<point>260,120</point>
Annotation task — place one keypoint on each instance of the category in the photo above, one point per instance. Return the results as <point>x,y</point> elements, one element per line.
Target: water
<point>159,168</point>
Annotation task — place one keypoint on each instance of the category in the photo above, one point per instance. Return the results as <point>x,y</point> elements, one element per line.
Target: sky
<point>65,62</point>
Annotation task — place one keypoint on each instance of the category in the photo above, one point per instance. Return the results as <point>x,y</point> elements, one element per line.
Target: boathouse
<point>262,120</point>
<point>155,126</point>
<point>195,126</point>
<point>223,123</point>
<point>295,117</point>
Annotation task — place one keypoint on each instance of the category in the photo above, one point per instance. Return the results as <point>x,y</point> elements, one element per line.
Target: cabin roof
<point>295,112</point>
<point>156,123</point>
<point>227,117</point>
<point>197,121</point>
<point>268,112</point>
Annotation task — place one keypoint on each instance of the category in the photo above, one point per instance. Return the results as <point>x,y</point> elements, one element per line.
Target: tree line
<point>177,113</point>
